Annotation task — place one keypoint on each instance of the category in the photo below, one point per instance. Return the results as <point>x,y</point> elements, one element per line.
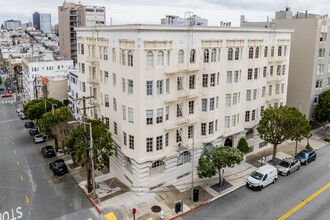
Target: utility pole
<point>87,156</point>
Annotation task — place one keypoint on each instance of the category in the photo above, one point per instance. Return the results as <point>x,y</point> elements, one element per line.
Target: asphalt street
<point>28,188</point>
<point>275,200</point>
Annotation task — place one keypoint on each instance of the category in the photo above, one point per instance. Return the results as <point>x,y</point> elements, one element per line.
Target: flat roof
<point>162,27</point>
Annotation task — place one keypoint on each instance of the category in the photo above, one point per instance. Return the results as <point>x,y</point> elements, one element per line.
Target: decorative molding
<point>158,45</point>
<point>283,42</point>
<point>126,44</point>
<point>235,43</point>
<point>211,43</point>
<point>255,42</point>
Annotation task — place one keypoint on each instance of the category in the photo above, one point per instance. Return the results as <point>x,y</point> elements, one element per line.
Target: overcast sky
<point>151,11</point>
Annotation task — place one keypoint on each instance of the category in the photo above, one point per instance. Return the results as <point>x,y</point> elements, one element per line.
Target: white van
<point>261,177</point>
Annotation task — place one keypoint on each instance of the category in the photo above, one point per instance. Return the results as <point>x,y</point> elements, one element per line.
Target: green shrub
<point>243,145</point>
<point>309,147</point>
<point>327,139</point>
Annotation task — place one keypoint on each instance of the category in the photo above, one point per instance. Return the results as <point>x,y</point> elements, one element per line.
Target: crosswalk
<point>8,102</point>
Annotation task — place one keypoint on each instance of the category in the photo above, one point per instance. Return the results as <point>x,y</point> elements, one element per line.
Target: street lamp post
<point>91,154</point>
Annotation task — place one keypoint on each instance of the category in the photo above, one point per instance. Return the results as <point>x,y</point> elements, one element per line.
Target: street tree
<point>57,125</point>
<point>277,125</point>
<point>102,144</point>
<point>212,161</point>
<point>0,80</point>
<point>35,108</point>
<point>301,127</point>
<point>322,111</point>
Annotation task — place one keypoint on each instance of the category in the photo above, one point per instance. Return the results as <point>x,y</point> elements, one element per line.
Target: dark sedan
<point>306,156</point>
<point>58,167</point>
<point>29,124</point>
<point>48,151</point>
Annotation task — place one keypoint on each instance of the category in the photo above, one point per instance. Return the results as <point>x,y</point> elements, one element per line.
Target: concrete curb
<point>96,207</point>
<point>207,202</point>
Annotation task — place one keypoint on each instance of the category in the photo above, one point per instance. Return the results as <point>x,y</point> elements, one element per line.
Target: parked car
<point>29,124</point>
<point>34,131</point>
<point>48,151</point>
<point>22,116</point>
<point>306,156</point>
<point>1,89</point>
<point>58,167</point>
<point>261,177</point>
<point>38,138</point>
<point>6,95</point>
<point>10,92</point>
<point>287,166</point>
<point>18,110</point>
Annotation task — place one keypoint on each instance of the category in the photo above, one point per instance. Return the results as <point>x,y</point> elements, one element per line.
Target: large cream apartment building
<point>165,90</point>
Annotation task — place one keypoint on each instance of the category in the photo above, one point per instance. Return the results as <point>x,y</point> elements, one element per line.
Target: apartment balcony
<point>93,81</point>
<point>275,98</point>
<point>94,102</point>
<point>275,78</point>
<point>92,60</point>
<point>277,60</point>
<point>182,95</point>
<point>181,122</point>
<point>183,70</point>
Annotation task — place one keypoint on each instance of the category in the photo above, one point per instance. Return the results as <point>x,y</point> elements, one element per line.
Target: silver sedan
<point>287,166</point>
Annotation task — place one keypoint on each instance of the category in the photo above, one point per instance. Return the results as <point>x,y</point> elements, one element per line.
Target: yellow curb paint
<point>27,199</point>
<point>17,163</point>
<point>305,201</point>
<point>21,177</point>
<point>111,216</point>
<point>14,151</point>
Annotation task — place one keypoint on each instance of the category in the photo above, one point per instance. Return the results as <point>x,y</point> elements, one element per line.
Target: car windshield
<point>302,154</point>
<point>38,136</point>
<point>284,164</point>
<point>59,164</point>
<point>256,175</point>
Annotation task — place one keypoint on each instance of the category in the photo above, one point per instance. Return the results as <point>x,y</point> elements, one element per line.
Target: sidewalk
<point>116,197</point>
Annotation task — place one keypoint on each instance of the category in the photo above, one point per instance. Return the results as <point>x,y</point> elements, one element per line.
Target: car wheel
<point>274,180</point>
<point>260,188</point>
<point>298,168</point>
<point>288,173</point>
<point>306,162</point>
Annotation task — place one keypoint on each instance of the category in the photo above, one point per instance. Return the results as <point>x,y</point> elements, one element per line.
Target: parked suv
<point>39,138</point>
<point>58,167</point>
<point>306,156</point>
<point>48,151</point>
<point>34,131</point>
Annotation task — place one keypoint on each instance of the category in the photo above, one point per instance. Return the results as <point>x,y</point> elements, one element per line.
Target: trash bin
<point>196,195</point>
<point>178,207</point>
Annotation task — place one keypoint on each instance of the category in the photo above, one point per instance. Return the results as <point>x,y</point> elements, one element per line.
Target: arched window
<point>150,59</point>
<point>230,54</point>
<point>181,57</point>
<point>123,57</point>
<point>251,53</point>
<point>279,51</point>
<point>184,158</point>
<point>130,58</point>
<point>265,51</point>
<point>206,56</point>
<point>272,51</point>
<point>192,56</point>
<point>168,58</point>
<point>214,55</point>
<point>157,167</point>
<point>237,53</point>
<point>257,52</point>
<point>284,51</point>
<point>114,54</point>
<point>160,58</point>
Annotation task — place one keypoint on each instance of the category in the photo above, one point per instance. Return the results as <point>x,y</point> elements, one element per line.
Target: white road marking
<point>10,120</point>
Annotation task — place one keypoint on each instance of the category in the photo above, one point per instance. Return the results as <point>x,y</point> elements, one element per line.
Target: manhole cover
<point>156,208</point>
